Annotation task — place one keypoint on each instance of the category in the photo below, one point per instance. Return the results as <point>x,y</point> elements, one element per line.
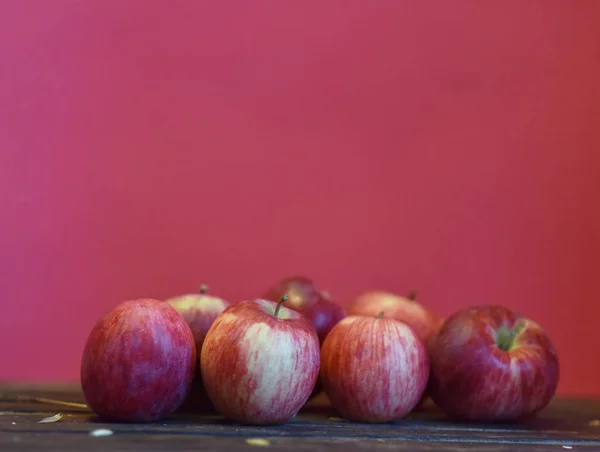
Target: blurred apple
<point>305,297</point>
<point>405,309</point>
<point>199,310</point>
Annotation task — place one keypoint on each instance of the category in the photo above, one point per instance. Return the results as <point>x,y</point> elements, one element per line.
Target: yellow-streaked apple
<point>259,362</point>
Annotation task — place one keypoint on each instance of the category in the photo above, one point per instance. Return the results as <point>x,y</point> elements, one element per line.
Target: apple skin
<point>405,309</point>
<point>474,379</point>
<point>138,362</point>
<point>317,306</point>
<point>259,369</point>
<point>373,369</point>
<point>199,310</point>
<point>306,298</point>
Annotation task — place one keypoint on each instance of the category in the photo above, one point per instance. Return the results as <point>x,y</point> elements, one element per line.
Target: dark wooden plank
<point>569,423</point>
<point>128,442</point>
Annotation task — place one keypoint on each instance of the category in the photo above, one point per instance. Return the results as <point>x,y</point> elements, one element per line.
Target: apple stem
<point>203,289</point>
<point>412,295</point>
<point>505,337</point>
<point>380,315</point>
<point>282,300</point>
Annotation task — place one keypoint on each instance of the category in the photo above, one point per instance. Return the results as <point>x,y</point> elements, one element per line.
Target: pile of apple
<point>259,361</point>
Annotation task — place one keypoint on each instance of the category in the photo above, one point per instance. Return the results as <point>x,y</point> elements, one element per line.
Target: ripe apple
<point>138,362</point>
<point>260,362</point>
<point>306,298</point>
<point>488,363</point>
<point>373,369</point>
<point>199,310</point>
<point>405,309</point>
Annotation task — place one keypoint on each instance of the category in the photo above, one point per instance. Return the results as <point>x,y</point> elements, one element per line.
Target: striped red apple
<point>422,320</point>
<point>138,362</point>
<point>260,362</point>
<point>489,363</point>
<point>373,369</point>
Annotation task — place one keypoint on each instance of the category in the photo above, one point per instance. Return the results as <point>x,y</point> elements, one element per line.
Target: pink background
<point>149,146</point>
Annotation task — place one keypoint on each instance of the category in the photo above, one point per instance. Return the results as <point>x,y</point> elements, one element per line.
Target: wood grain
<point>566,422</point>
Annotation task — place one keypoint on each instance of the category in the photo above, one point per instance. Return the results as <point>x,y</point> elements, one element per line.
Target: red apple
<point>199,310</point>
<point>306,298</point>
<point>405,309</point>
<point>260,362</point>
<point>138,362</point>
<point>373,369</point>
<point>488,363</point>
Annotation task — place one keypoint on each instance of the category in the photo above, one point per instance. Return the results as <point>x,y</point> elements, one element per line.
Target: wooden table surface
<point>564,425</point>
